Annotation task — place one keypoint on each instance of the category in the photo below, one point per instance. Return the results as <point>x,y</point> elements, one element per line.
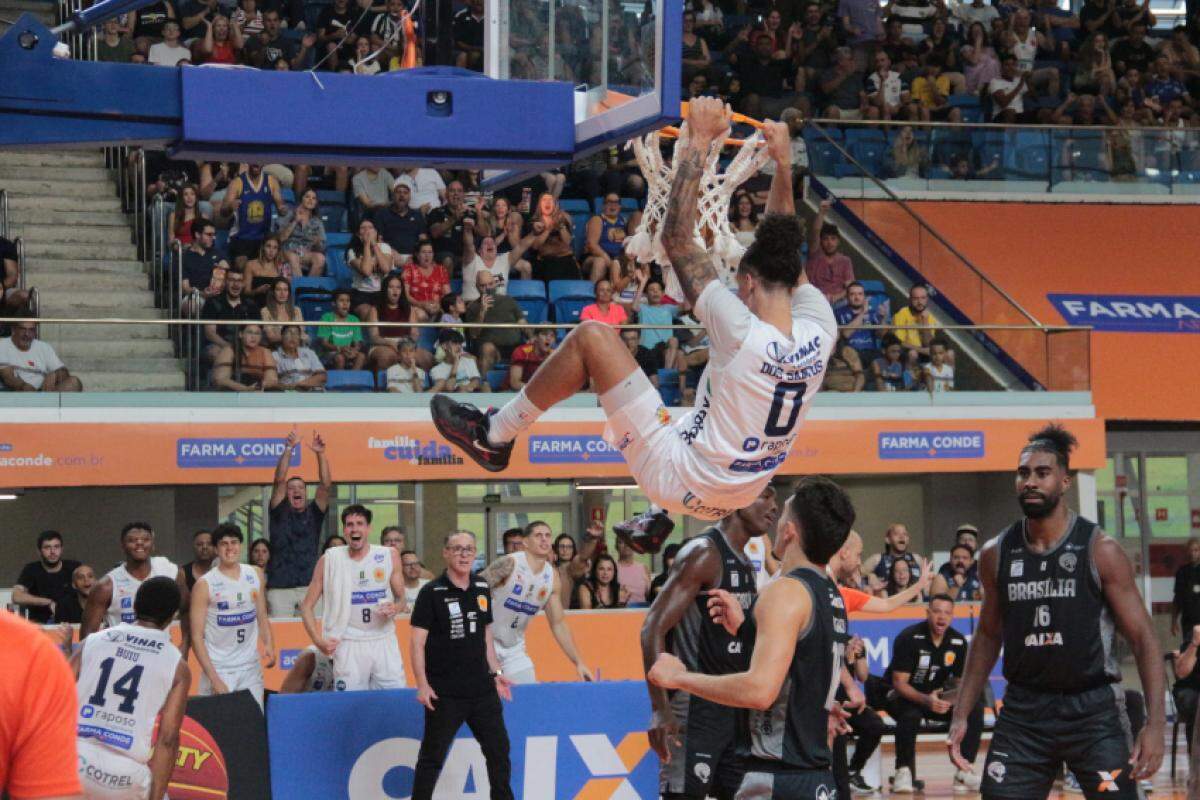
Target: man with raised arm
<point>295,525</point>
<point>769,346</point>
<point>696,739</point>
<point>1055,589</point>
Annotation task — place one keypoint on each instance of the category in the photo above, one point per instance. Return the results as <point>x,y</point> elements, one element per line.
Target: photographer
<point>493,344</point>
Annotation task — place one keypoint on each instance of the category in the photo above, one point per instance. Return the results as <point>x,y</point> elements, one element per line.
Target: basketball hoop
<point>713,231</point>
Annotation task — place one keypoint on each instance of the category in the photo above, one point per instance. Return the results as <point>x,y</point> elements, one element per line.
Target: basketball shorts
<point>516,663</point>
<point>705,760</point>
<point>360,664</point>
<point>106,775</point>
<point>640,427</point>
<point>780,784</point>
<point>1037,731</point>
<point>235,679</point>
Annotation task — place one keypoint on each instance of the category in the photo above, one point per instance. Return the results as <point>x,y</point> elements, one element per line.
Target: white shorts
<point>640,427</point>
<point>106,775</point>
<point>249,678</point>
<point>360,664</point>
<point>516,663</point>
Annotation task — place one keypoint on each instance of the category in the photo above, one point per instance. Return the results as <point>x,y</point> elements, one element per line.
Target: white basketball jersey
<point>370,585</point>
<point>519,600</point>
<point>321,678</point>
<point>124,679</point>
<point>231,622</point>
<point>756,554</point>
<point>125,586</point>
<point>753,395</point>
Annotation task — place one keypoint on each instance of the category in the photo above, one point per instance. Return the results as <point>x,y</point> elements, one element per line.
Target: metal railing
<point>4,213</point>
<point>19,243</point>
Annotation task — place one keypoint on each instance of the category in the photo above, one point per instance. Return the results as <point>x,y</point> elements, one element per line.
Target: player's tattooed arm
<point>498,572</point>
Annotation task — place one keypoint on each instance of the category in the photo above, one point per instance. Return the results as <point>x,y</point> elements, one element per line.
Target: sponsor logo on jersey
<point>702,771</point>
<point>996,770</point>
<point>1068,561</point>
<point>696,427</point>
<point>776,351</point>
<point>235,452</point>
<point>572,450</point>
<point>949,658</point>
<point>931,444</point>
<point>1017,569</point>
<point>513,604</point>
<point>418,452</point>
<point>122,741</point>
<point>379,574</point>
<point>1044,639</point>
<point>126,602</point>
<point>87,712</point>
<point>735,648</point>
<point>695,505</point>
<point>1108,780</point>
<point>367,597</point>
<point>751,445</point>
<point>1041,589</point>
<point>664,416</point>
<point>517,589</point>
<point>235,620</point>
<point>379,557</point>
<point>761,465</point>
<point>542,593</point>
<point>1129,313</point>
<point>626,440</point>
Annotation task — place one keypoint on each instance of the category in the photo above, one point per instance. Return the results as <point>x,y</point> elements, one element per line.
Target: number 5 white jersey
<point>231,621</point>
<point>754,393</point>
<point>124,679</point>
<point>519,600</point>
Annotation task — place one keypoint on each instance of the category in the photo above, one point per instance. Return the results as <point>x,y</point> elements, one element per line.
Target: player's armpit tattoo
<point>497,572</point>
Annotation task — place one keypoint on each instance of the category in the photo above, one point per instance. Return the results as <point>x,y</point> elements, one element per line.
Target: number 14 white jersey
<point>754,393</point>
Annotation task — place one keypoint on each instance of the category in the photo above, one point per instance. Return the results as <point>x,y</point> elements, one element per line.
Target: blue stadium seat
<point>456,285</point>
<point>856,134</point>
<point>531,297</point>
<point>335,196</point>
<point>349,380</point>
<point>313,287</point>
<point>289,196</point>
<point>496,379</point>
<point>336,266</point>
<point>575,205</point>
<point>427,338</point>
<point>629,204</point>
<point>381,380</point>
<point>559,290</point>
<point>822,154</point>
<point>567,311</point>
<point>334,216</point>
<point>338,239</point>
<point>873,286</point>
<point>870,153</point>
<point>579,232</point>
<point>668,387</point>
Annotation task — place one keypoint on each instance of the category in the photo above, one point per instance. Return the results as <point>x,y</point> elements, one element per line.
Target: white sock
<point>517,415</point>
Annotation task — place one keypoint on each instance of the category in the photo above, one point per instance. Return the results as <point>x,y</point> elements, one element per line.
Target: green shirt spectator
<point>340,336</point>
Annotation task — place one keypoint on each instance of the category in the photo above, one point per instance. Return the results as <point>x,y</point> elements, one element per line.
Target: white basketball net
<point>713,232</point>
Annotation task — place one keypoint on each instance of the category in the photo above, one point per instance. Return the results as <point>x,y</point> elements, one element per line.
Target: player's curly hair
<point>157,600</point>
<point>1056,439</point>
<point>774,256</point>
<point>825,514</point>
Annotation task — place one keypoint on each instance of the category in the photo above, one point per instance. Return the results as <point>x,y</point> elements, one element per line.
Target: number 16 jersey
<point>125,676</point>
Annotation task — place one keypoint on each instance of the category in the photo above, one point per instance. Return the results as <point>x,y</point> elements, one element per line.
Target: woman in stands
<point>179,223</point>
<point>900,578</point>
<point>298,367</point>
<point>604,309</point>
<point>906,159</point>
<point>280,308</point>
<point>248,367</point>
<point>370,258</point>
<point>394,309</point>
<point>260,553</point>
<point>501,214</point>
<point>362,63</point>
<point>601,589</point>
<point>980,64</point>
<point>743,218</point>
<point>262,272</point>
<point>222,42</point>
<point>553,242</point>
<point>1094,70</point>
<point>303,235</point>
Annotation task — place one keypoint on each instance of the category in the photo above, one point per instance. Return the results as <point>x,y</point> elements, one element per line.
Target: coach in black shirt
<point>925,656</point>
<point>458,675</point>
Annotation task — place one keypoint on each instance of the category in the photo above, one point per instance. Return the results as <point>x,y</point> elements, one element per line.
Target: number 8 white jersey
<point>231,621</point>
<point>124,679</point>
<point>519,600</point>
<point>754,393</point>
<point>370,584</point>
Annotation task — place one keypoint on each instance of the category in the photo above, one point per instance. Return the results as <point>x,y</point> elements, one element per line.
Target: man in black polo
<point>295,527</point>
<point>458,674</point>
<point>1186,602</point>
<point>398,224</point>
<point>231,305</point>
<point>45,582</point>
<point>925,657</point>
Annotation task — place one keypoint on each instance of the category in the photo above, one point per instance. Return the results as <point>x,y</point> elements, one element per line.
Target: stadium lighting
<point>607,487</point>
<point>8,495</point>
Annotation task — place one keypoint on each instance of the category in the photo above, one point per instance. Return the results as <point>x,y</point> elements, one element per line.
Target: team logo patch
<point>949,658</point>
<point>1108,780</point>
<point>1068,561</point>
<point>379,557</point>
<point>483,603</point>
<point>996,770</point>
<point>542,593</point>
<point>1017,569</point>
<point>664,416</point>
<point>702,771</point>
<point>254,595</point>
<point>379,574</point>
<point>340,686</point>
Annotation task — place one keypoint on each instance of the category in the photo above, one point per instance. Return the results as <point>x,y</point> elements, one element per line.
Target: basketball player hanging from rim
<point>1054,588</point>
<point>770,344</point>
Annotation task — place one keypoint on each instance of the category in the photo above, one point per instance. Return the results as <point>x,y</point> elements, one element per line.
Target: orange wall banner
<point>128,454</point>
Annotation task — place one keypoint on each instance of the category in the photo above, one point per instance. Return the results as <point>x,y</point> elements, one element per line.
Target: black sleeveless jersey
<point>696,640</point>
<point>792,732</point>
<point>1058,629</point>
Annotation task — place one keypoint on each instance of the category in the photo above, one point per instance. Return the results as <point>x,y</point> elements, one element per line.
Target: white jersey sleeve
<point>231,620</point>
<point>726,320</point>
<point>810,304</point>
<point>125,675</point>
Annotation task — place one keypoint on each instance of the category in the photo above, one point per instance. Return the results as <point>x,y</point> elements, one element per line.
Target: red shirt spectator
<point>528,357</point>
<point>426,281</point>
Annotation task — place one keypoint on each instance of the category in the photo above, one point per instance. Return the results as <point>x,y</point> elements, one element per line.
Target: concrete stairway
<point>79,256</point>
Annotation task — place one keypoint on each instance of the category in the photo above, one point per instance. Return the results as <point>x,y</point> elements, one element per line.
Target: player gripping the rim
<point>770,343</point>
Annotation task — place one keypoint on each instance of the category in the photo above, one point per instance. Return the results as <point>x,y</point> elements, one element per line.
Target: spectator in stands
<point>604,309</point>
<point>372,185</point>
<point>813,49</point>
<point>1079,110</point>
<point>528,357</point>
<point>411,565</point>
<point>855,313</point>
<point>896,540</point>
<point>844,372</point>
<point>931,91</point>
<point>1185,601</point>
<point>605,242</point>
<point>269,47</point>
<point>248,367</point>
<point>914,342</point>
<point>889,368</point>
<point>899,578</point>
<point>298,367</point>
<point>453,309</point>
<point>695,57</point>
<point>193,14</point>
<point>827,269</point>
<point>743,218</point>
<point>338,28</point>
<point>385,339</point>
<point>553,242</point>
<point>203,554</point>
<point>221,43</point>
<point>653,311</point>
<point>488,258</point>
<point>500,215</point>
<point>295,528</point>
<point>405,376</point>
<point>512,540</point>
<point>693,351</point>
<point>1163,87</point>
<point>280,308</point>
<point>841,86</point>
<point>447,224</point>
<point>975,11</point>
<point>12,300</point>
<point>227,306</point>
<point>252,196</point>
<point>494,344</point>
<point>468,36</point>
<point>69,610</point>
<point>1182,55</point>
<point>28,364</point>
<point>400,225</point>
<point>44,583</point>
<point>363,62</point>
<point>183,217</point>
<point>370,258</point>
<point>457,371</point>
<point>262,272</point>
<point>601,589</point>
<point>302,232</point>
<point>1094,68</point>
<point>633,575</point>
<point>926,657</point>
<point>862,20</point>
<point>1133,52</point>
<point>961,580</point>
<point>341,346</point>
<point>668,560</point>
<point>169,52</point>
<point>888,95</point>
<point>427,187</point>
<point>335,540</point>
<point>1186,690</point>
<point>980,64</point>
<point>967,534</point>
<point>938,374</point>
<point>260,554</point>
<point>770,83</point>
<point>1008,92</point>
<point>906,158</point>
<point>426,281</point>
<point>111,45</point>
<point>204,270</point>
<point>648,360</point>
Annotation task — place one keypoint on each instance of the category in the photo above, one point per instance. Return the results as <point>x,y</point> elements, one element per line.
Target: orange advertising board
<point>129,454</point>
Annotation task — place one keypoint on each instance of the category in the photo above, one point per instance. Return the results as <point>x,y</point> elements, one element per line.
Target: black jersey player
<point>1055,589</point>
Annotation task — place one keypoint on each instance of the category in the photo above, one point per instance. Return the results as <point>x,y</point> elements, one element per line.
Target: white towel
<point>337,593</point>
